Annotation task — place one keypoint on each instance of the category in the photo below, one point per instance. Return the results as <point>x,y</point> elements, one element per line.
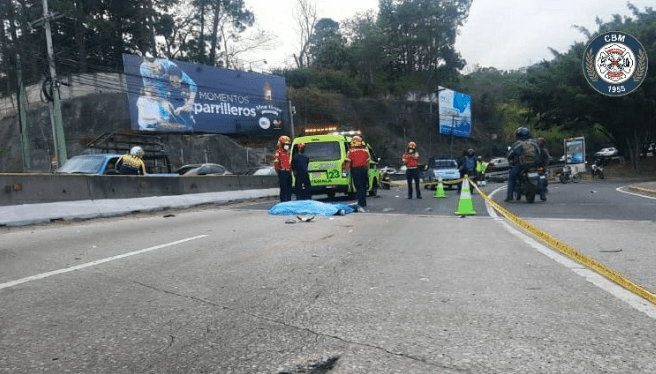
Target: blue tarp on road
<point>310,207</point>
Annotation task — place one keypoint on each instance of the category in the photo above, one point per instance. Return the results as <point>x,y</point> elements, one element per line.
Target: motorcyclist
<point>519,158</point>
<point>467,166</point>
<point>132,163</point>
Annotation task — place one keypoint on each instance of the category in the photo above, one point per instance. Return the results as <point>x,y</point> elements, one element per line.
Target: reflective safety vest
<point>411,160</point>
<point>358,157</point>
<point>282,160</point>
<point>481,166</point>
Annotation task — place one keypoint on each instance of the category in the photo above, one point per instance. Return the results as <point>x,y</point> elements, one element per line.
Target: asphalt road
<point>408,287</point>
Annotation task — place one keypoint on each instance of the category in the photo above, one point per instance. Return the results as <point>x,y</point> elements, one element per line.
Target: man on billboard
<point>174,87</point>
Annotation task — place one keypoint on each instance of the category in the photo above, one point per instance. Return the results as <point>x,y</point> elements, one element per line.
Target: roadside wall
<point>18,189</point>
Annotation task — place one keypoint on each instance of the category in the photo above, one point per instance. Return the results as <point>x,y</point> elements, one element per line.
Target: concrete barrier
<point>32,188</point>
<point>18,189</point>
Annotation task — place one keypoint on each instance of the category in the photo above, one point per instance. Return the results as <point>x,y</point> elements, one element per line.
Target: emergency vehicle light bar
<point>352,132</point>
<point>319,130</point>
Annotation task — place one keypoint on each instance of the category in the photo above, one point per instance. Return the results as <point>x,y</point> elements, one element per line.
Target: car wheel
<point>374,189</point>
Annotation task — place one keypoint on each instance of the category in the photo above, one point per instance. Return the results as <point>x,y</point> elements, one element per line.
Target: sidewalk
<point>32,214</point>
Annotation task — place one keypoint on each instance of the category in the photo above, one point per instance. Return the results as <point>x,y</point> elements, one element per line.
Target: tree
<point>327,46</point>
<point>557,93</point>
<point>305,14</point>
<point>421,33</point>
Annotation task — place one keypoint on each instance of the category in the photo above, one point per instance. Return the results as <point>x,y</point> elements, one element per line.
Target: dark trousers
<point>285,180</point>
<point>303,187</point>
<point>360,176</point>
<point>413,175</point>
<point>512,180</point>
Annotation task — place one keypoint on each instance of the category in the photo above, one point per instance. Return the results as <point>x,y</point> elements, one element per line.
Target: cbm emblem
<point>615,63</point>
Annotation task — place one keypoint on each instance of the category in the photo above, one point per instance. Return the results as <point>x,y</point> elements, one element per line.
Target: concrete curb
<point>34,214</point>
<point>642,190</point>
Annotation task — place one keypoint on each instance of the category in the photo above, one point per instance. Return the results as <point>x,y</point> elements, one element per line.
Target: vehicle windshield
<point>445,164</point>
<point>82,165</point>
<point>323,151</point>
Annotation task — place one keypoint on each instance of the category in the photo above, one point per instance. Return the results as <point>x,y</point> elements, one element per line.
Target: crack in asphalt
<point>299,328</point>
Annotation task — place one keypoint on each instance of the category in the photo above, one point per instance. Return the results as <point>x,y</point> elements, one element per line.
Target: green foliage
<point>559,96</point>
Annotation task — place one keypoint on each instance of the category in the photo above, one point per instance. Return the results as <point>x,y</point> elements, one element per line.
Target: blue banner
<point>455,113</point>
<point>174,96</point>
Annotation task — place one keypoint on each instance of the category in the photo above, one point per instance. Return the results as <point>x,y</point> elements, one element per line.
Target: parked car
<point>446,169</point>
<point>607,152</point>
<point>263,171</point>
<point>498,164</point>
<point>105,164</point>
<point>206,169</point>
<point>99,164</point>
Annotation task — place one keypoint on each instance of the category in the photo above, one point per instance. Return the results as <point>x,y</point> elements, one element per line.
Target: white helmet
<point>137,152</point>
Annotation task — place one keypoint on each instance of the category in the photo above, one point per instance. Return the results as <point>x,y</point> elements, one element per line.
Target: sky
<point>505,34</point>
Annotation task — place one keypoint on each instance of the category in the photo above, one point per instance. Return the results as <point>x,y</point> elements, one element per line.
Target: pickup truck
<point>105,164</point>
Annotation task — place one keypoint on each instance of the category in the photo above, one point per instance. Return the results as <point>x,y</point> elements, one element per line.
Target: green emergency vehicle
<point>327,154</point>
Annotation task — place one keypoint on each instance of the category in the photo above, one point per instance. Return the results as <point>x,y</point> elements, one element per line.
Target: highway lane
<point>401,289</point>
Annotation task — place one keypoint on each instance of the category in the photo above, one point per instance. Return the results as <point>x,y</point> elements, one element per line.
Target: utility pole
<point>55,105</point>
<point>292,111</point>
<point>24,131</point>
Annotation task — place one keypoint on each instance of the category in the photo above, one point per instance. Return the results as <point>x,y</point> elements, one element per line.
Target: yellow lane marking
<point>570,252</point>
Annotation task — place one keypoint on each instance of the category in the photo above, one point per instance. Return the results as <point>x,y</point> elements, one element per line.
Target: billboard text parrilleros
<point>177,96</point>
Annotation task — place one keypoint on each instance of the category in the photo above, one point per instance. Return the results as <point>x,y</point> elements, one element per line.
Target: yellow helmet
<point>412,145</point>
<point>356,141</point>
<point>284,140</point>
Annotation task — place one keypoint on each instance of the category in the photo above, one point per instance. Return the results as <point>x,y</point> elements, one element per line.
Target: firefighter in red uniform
<point>411,161</point>
<point>283,165</point>
<point>358,159</point>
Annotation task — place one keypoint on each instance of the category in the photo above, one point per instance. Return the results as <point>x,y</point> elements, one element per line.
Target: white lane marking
<point>623,190</point>
<point>94,263</point>
<point>591,276</point>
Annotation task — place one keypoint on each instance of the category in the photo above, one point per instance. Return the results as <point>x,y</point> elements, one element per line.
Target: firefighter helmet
<point>284,140</point>
<point>412,145</point>
<point>356,141</point>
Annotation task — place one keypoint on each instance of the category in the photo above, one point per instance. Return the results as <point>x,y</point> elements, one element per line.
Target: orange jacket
<point>358,156</point>
<point>411,160</point>
<point>282,160</point>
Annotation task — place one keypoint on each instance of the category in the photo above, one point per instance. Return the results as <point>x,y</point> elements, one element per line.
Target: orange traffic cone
<point>439,191</point>
<point>466,204</point>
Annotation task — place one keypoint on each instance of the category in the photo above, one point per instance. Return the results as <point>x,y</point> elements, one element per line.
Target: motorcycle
<point>529,183</point>
<point>597,169</point>
<point>567,175</point>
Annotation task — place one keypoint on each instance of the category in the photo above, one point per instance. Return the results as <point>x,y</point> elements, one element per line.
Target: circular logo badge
<point>615,63</point>
<point>264,123</point>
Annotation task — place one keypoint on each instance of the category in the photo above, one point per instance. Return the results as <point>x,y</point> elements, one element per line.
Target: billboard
<point>455,113</point>
<point>175,96</point>
<point>575,152</point>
